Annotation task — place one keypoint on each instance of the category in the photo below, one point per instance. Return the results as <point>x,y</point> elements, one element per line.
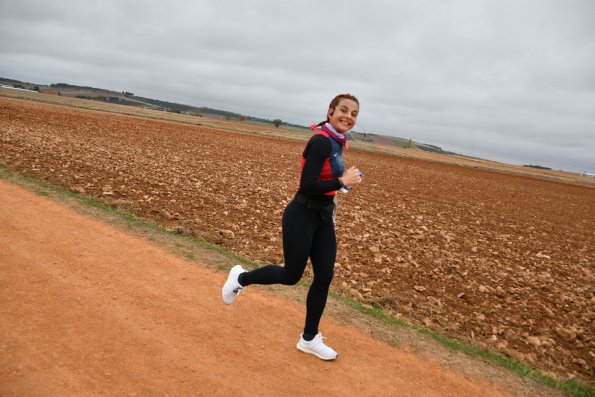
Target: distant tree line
<point>80,87</point>
<point>536,166</point>
<point>171,106</point>
<point>24,87</point>
<point>113,99</point>
<point>432,148</point>
<point>365,134</point>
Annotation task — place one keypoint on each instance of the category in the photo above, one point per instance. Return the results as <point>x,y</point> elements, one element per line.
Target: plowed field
<point>502,261</point>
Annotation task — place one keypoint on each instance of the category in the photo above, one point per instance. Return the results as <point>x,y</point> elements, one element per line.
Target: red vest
<point>327,173</point>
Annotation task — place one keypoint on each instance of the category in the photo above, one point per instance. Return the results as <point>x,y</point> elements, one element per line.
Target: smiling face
<point>344,115</point>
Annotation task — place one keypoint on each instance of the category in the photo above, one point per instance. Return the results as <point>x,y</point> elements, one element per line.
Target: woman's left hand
<point>351,177</point>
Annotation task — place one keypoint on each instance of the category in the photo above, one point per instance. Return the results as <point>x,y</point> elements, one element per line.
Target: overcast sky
<point>508,80</point>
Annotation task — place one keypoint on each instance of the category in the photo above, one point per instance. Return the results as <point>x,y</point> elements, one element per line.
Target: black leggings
<point>305,235</point>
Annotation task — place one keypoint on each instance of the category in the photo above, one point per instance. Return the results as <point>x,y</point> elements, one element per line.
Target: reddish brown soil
<point>89,310</point>
<point>501,261</point>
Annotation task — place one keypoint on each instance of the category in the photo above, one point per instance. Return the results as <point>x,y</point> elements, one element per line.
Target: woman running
<point>308,223</point>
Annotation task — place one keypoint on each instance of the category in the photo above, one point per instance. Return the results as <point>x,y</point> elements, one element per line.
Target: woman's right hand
<point>351,177</point>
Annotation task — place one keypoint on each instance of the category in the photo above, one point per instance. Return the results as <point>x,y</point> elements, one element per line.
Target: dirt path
<point>89,310</point>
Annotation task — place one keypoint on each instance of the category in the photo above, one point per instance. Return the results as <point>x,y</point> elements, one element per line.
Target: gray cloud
<point>505,80</point>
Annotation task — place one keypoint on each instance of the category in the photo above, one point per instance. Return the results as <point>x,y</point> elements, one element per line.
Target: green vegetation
<point>537,166</point>
<point>111,99</point>
<point>190,255</point>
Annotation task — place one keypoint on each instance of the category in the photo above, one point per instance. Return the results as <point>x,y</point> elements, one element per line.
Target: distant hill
<point>395,141</point>
<point>129,99</point>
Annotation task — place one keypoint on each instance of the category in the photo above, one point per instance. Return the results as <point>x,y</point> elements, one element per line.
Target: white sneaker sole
<point>315,354</point>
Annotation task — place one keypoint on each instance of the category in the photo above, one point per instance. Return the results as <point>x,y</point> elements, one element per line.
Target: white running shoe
<point>317,347</point>
<point>232,287</point>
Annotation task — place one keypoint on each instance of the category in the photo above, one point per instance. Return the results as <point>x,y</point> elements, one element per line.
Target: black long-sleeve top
<point>317,151</point>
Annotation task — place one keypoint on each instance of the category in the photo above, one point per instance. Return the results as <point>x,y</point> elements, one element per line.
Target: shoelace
<point>321,346</point>
<point>321,343</point>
